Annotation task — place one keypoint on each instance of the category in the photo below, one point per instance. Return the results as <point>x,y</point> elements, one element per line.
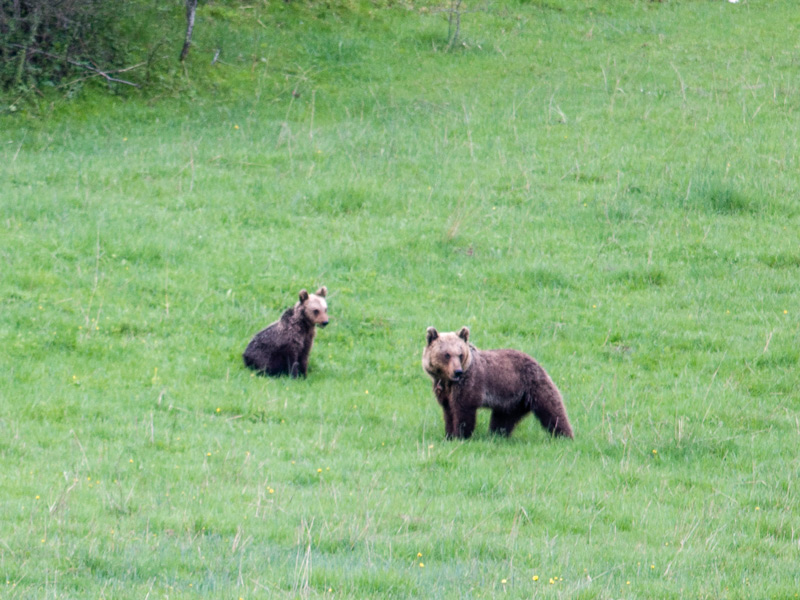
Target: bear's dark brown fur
<point>284,346</point>
<point>509,382</point>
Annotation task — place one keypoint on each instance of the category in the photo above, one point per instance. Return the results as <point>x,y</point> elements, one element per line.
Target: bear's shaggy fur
<point>509,382</point>
<point>284,346</point>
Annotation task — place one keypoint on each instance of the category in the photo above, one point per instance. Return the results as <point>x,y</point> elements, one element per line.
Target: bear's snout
<point>323,324</point>
<point>457,374</point>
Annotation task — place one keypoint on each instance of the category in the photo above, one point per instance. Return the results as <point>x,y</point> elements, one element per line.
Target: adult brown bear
<point>508,382</point>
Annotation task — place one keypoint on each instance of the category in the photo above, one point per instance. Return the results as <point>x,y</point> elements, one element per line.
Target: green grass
<point>609,186</point>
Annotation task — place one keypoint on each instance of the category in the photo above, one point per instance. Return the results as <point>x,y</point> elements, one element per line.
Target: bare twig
<point>95,70</point>
<point>455,16</point>
<point>454,12</point>
<point>680,79</point>
<point>769,339</point>
<point>19,147</point>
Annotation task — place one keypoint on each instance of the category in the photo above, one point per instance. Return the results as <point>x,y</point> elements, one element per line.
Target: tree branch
<point>96,71</point>
<point>191,8</point>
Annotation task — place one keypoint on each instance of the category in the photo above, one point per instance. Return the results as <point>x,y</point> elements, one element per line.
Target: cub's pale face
<point>314,306</point>
<point>316,310</point>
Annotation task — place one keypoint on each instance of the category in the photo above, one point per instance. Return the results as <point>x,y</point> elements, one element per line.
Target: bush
<point>48,42</point>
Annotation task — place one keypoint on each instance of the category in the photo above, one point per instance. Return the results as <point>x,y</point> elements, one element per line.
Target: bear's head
<point>447,356</point>
<point>314,307</point>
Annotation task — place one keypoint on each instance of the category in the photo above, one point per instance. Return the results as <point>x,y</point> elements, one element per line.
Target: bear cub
<point>284,346</point>
<point>509,382</point>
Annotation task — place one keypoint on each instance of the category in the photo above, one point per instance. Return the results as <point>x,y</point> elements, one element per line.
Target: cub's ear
<point>432,334</point>
<point>323,291</point>
<point>464,334</point>
<point>303,296</point>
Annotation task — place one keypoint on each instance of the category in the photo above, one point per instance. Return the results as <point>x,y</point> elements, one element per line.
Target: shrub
<point>47,42</point>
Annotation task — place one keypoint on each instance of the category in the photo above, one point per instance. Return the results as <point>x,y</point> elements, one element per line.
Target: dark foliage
<point>49,42</point>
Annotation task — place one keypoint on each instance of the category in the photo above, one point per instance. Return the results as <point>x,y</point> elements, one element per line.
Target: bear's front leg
<point>443,398</point>
<point>303,365</point>
<point>464,422</point>
<point>448,422</point>
<point>302,357</point>
<point>294,369</point>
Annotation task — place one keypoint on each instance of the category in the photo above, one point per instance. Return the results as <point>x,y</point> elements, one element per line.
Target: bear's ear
<point>303,296</point>
<point>432,334</point>
<point>323,291</point>
<point>464,334</point>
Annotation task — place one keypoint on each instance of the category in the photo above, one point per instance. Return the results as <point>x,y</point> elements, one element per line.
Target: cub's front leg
<point>302,365</point>
<point>302,358</point>
<point>295,367</point>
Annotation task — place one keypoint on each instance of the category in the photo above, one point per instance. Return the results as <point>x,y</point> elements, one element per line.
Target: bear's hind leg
<point>250,361</point>
<point>553,417</point>
<point>274,365</point>
<point>503,423</point>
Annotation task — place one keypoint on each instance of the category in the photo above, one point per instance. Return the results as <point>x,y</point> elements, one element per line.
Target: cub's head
<point>314,307</point>
<point>447,355</point>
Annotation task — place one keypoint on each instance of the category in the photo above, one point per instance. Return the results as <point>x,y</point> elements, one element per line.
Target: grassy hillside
<point>609,186</point>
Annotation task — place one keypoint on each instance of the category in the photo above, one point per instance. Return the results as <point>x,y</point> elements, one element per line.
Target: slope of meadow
<point>609,186</point>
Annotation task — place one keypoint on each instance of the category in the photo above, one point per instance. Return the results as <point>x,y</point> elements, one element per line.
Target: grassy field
<point>610,186</point>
